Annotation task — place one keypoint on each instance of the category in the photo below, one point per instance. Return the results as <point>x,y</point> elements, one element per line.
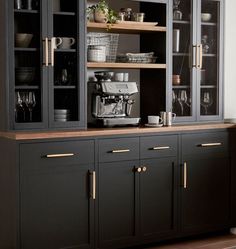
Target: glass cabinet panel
<point>182,71</point>
<point>209,61</point>
<point>28,73</point>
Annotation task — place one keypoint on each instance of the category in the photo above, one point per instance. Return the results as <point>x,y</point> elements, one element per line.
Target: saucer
<point>153,125</point>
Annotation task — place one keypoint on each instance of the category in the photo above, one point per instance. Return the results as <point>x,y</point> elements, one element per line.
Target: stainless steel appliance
<point>111,103</point>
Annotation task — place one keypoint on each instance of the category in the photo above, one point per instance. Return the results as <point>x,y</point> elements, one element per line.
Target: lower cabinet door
<point>56,209</point>
<point>118,204</point>
<point>158,193</point>
<point>206,195</point>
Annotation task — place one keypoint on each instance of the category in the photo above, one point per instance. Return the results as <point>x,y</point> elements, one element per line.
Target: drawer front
<point>158,146</point>
<point>37,155</point>
<point>205,144</point>
<point>118,149</point>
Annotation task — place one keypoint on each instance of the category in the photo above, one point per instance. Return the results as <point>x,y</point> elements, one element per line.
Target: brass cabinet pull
<point>144,169</point>
<point>185,175</point>
<point>210,144</point>
<point>194,56</point>
<point>120,151</point>
<point>59,155</point>
<point>45,52</point>
<point>94,185</point>
<point>161,148</point>
<point>139,169</point>
<point>52,46</point>
<point>200,56</point>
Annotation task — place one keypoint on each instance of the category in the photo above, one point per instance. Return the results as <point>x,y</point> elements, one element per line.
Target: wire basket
<point>109,40</point>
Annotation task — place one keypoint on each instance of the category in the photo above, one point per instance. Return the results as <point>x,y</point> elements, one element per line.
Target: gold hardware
<point>161,148</point>
<point>51,45</point>
<point>144,169</point>
<point>195,52</point>
<point>200,56</point>
<point>185,175</point>
<point>60,155</point>
<point>94,185</point>
<point>210,144</point>
<point>139,170</point>
<point>45,52</point>
<point>120,151</point>
<point>197,57</point>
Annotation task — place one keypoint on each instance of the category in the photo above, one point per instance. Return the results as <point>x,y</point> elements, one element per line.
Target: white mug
<point>64,42</point>
<point>154,120</point>
<point>119,77</point>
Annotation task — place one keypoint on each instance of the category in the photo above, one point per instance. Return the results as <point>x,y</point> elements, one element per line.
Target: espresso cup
<point>154,120</point>
<point>64,42</point>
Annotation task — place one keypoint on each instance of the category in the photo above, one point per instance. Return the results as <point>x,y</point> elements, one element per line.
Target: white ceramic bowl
<point>23,40</point>
<point>205,17</point>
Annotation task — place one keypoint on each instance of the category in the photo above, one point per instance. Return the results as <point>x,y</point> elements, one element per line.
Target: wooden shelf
<point>124,28</point>
<point>125,65</point>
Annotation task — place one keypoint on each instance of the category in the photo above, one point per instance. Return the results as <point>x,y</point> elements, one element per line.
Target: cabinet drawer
<point>36,155</point>
<point>118,149</point>
<point>205,144</point>
<point>158,146</point>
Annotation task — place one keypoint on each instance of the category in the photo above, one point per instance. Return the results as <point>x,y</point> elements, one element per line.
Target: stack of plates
<point>62,115</point>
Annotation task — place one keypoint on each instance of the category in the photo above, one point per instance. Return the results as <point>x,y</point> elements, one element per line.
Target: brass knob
<point>144,169</point>
<point>139,170</point>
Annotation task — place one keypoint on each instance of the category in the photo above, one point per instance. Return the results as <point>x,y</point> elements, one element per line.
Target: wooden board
<point>125,65</point>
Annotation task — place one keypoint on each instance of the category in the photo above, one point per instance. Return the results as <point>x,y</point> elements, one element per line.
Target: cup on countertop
<point>168,118</point>
<point>121,77</point>
<point>154,120</point>
<point>64,42</point>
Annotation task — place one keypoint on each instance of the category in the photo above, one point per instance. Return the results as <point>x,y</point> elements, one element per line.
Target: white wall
<point>230,59</point>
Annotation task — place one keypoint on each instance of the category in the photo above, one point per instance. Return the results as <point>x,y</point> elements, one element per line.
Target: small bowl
<point>104,75</point>
<point>23,40</point>
<point>25,74</point>
<point>205,17</point>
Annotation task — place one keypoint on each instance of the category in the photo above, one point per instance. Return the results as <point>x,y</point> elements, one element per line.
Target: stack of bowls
<point>23,40</point>
<point>25,75</point>
<point>62,115</point>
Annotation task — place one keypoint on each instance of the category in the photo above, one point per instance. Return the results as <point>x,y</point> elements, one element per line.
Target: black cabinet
<point>44,69</point>
<point>197,74</point>
<point>56,195</point>
<point>205,193</point>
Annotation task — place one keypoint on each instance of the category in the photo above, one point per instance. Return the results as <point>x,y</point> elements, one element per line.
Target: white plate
<point>153,125</point>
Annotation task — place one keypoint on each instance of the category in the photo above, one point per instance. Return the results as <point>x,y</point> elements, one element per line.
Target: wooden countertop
<point>23,135</point>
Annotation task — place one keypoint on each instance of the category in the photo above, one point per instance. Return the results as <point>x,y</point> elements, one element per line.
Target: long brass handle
<point>45,52</point>
<point>210,144</point>
<point>59,155</point>
<point>161,148</point>
<point>52,46</point>
<point>120,151</point>
<point>200,56</point>
<point>185,175</point>
<point>94,185</point>
<point>197,57</point>
<point>194,56</point>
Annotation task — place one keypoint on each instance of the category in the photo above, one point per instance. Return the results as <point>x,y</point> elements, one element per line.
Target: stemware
<point>206,101</point>
<point>182,99</point>
<point>30,102</point>
<point>18,106</point>
<point>177,14</point>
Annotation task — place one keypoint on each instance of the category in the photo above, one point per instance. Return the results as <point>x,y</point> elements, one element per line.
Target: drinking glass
<point>182,99</point>
<point>18,106</point>
<point>206,101</point>
<point>30,102</point>
<point>177,14</point>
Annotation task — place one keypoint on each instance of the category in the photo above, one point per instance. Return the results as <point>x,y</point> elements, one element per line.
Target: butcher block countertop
<point>96,132</point>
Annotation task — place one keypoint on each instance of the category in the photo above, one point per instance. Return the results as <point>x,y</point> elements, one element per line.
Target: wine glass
<point>177,14</point>
<point>206,101</point>
<point>30,102</point>
<point>182,99</point>
<point>18,105</point>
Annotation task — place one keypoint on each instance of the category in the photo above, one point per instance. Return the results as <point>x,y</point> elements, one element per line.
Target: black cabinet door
<point>118,204</point>
<point>206,194</point>
<point>56,210</point>
<point>158,193</point>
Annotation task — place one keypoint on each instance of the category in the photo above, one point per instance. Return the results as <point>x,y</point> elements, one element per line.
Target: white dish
<point>153,125</point>
<point>206,17</point>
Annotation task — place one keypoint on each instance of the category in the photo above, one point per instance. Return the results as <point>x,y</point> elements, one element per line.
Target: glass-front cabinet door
<point>183,71</point>
<point>197,78</point>
<point>210,61</point>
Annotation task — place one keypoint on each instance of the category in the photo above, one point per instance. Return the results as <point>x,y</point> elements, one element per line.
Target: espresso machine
<point>111,103</point>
